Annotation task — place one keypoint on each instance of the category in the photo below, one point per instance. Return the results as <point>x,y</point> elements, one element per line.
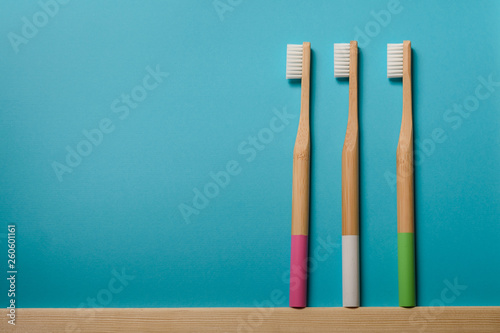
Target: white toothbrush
<point>346,65</point>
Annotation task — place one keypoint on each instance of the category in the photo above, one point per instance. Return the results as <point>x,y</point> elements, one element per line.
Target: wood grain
<point>419,319</point>
<point>350,153</point>
<point>404,154</point>
<point>301,154</point>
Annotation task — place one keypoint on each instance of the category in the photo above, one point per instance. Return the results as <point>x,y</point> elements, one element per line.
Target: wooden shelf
<point>365,319</point>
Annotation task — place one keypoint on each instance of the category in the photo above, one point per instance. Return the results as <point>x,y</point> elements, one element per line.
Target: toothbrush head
<point>341,58</point>
<point>294,55</point>
<point>394,60</point>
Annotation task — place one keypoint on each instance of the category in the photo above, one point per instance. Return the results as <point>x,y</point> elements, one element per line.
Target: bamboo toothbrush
<point>399,65</point>
<point>298,67</point>
<point>346,65</point>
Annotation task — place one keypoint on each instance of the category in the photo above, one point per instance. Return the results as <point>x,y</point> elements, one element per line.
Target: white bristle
<point>394,60</point>
<point>341,57</point>
<point>294,53</point>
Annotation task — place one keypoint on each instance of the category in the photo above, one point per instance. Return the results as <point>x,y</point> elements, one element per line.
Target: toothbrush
<point>346,65</point>
<point>298,67</point>
<point>399,65</point>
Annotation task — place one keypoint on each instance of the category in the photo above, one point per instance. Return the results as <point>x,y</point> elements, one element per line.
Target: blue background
<point>119,209</point>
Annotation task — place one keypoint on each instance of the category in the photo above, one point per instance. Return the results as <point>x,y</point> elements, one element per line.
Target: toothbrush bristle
<point>294,53</point>
<point>341,58</point>
<point>394,60</point>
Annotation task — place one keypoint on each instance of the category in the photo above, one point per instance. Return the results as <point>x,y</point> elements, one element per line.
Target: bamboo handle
<point>406,229</point>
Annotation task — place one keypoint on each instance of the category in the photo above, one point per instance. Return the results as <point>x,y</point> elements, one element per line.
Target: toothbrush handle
<point>406,227</point>
<point>350,220</point>
<point>300,227</point>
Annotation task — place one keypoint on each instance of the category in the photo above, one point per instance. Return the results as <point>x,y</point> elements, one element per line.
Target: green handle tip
<point>406,269</point>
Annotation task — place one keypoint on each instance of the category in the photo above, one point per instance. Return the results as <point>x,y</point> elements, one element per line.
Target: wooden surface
<point>405,151</point>
<point>419,319</point>
<point>301,154</point>
<point>350,153</point>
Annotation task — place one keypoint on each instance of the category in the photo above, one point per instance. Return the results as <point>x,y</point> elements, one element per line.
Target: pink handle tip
<point>298,272</point>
